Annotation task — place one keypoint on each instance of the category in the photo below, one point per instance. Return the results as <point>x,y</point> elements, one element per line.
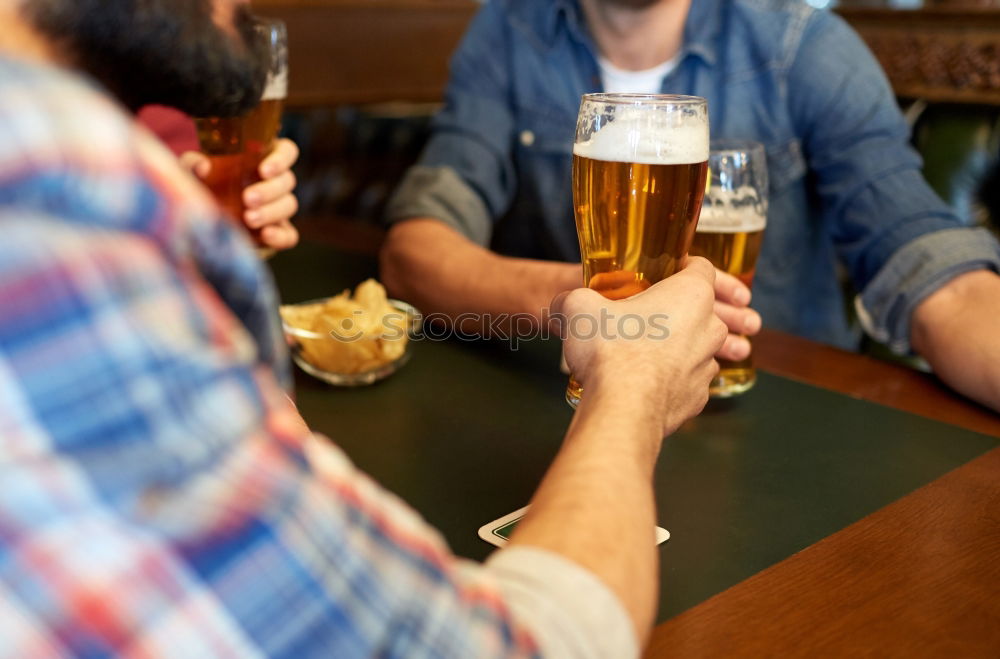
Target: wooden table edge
<point>870,379</point>
<point>855,592</point>
<point>816,601</point>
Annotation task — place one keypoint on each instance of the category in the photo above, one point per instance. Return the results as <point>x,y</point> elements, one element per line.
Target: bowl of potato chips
<point>351,341</point>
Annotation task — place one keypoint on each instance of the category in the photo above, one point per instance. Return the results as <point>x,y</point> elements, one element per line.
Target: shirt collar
<point>701,30</point>
<point>563,10</point>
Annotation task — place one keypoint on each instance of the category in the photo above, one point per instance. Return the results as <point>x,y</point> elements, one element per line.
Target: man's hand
<point>956,330</point>
<point>657,345</point>
<point>271,203</point>
<point>595,506</point>
<point>731,300</point>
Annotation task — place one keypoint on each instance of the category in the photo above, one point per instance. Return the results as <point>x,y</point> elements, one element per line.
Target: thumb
<point>558,302</point>
<point>700,267</point>
<point>196,163</point>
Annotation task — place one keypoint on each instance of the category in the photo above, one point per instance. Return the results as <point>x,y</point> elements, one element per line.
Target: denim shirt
<point>845,186</point>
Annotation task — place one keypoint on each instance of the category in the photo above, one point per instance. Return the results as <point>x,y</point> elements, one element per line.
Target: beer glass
<point>639,173</point>
<point>237,145</point>
<point>731,231</point>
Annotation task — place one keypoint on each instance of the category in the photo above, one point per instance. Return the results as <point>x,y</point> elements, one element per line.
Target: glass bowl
<point>307,347</point>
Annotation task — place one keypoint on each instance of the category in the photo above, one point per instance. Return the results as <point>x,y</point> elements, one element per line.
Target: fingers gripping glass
<point>731,232</point>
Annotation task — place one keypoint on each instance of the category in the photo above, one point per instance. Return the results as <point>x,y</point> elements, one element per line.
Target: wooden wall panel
<point>366,51</point>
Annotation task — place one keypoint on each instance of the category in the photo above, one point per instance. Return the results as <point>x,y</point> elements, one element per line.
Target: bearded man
<point>160,496</point>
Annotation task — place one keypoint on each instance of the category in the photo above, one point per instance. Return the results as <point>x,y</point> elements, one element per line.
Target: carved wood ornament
<point>942,53</point>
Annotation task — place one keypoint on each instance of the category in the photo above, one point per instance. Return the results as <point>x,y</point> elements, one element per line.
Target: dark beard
<point>159,51</point>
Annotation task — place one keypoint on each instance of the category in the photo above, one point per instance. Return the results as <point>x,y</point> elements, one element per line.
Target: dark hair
<point>159,51</point>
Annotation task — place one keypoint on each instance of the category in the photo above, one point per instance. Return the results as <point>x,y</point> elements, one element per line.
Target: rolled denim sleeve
<point>898,239</point>
<point>915,271</point>
<point>441,194</point>
<point>465,176</point>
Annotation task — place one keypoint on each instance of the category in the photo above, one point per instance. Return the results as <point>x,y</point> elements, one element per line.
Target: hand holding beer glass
<point>639,172</point>
<point>731,231</point>
<point>235,146</point>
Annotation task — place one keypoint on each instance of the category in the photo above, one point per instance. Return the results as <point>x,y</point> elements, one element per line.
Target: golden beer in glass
<point>235,146</point>
<point>639,173</point>
<point>731,232</point>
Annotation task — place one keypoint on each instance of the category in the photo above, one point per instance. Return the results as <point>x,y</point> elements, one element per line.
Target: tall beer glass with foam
<point>639,172</point>
<point>237,145</point>
<point>731,232</point>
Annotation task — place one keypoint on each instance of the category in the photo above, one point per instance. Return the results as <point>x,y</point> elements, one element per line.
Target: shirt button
<point>527,138</point>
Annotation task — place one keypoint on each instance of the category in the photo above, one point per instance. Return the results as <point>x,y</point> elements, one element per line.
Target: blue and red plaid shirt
<point>158,493</point>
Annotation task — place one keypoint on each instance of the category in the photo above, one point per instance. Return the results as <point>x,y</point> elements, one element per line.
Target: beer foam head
<point>729,211</point>
<point>276,88</point>
<point>650,138</point>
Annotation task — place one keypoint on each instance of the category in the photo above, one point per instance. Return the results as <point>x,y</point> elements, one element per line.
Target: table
<point>804,522</point>
<point>919,577</point>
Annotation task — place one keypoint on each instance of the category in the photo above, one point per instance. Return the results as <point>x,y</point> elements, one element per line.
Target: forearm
<point>957,330</point>
<point>440,271</point>
<point>595,506</point>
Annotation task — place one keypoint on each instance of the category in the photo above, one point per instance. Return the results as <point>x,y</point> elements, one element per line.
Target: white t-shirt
<point>648,81</point>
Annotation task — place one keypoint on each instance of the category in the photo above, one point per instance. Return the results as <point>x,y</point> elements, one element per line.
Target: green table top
<point>465,431</point>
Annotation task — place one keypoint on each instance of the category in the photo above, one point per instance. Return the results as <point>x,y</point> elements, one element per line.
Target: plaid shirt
<point>158,494</point>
